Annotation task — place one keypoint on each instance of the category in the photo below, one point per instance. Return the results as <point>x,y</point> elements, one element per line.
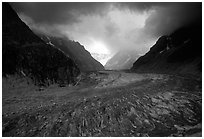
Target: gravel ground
<point>105,104</point>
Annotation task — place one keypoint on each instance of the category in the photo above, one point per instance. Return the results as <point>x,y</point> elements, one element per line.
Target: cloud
<point>58,12</point>
<point>166,17</point>
<point>114,29</point>
<point>118,26</point>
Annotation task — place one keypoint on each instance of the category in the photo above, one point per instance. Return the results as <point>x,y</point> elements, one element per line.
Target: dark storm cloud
<point>58,12</point>
<point>166,16</point>
<point>119,26</point>
<point>166,19</point>
<point>137,6</point>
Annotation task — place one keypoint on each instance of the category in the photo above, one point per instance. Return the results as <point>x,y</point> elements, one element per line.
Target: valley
<point>52,86</point>
<point>104,103</point>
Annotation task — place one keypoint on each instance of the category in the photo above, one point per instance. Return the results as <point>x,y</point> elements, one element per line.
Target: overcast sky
<point>109,27</point>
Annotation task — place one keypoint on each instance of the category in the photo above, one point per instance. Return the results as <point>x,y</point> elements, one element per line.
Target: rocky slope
<point>75,51</point>
<point>121,60</point>
<point>178,53</point>
<point>25,54</point>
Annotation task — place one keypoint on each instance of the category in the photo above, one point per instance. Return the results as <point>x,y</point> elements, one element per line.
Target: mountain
<point>74,50</point>
<point>177,53</point>
<point>25,54</point>
<point>121,60</point>
<point>102,58</point>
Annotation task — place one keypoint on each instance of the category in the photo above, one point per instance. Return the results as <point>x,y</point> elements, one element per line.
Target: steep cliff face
<point>75,51</point>
<point>121,60</point>
<point>25,53</point>
<point>179,53</point>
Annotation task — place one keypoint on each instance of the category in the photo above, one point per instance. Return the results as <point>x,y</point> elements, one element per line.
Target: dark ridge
<point>26,54</point>
<point>177,53</point>
<point>75,51</point>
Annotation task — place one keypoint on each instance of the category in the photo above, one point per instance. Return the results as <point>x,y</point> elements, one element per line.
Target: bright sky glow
<point>97,47</point>
<point>109,27</point>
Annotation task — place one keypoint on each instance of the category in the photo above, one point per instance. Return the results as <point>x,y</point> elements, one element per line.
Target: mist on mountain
<point>120,26</point>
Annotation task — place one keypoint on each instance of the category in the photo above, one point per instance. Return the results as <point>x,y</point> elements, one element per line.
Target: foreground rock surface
<point>153,105</point>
